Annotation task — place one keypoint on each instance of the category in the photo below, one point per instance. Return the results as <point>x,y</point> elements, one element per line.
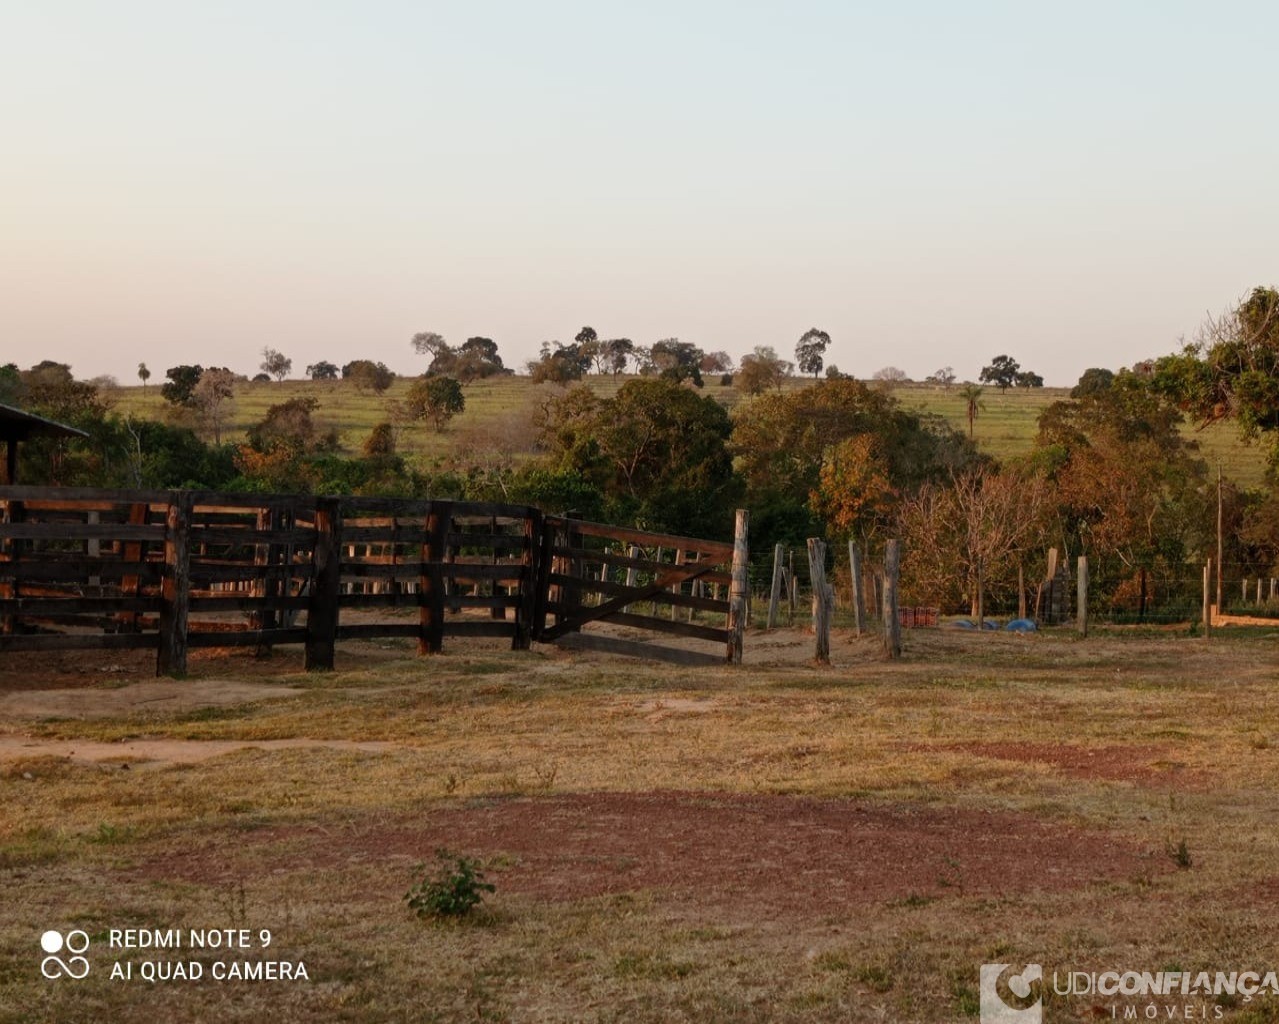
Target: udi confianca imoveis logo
<point>64,954</point>
<point>1009,996</point>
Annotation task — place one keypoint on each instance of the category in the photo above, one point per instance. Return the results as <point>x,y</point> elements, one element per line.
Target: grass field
<point>501,410</point>
<point>774,843</point>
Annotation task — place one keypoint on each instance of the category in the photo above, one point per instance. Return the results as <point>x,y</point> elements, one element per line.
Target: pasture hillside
<point>500,411</point>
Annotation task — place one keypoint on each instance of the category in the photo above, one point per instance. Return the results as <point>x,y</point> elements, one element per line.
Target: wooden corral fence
<point>174,570</point>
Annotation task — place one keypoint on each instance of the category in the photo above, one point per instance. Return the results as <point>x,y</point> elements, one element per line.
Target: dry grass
<point>225,842</point>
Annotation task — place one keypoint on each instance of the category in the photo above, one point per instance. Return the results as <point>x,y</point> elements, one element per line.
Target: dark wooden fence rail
<point>83,568</point>
<point>175,570</point>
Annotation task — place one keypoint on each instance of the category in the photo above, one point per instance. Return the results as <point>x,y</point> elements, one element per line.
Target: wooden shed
<point>16,426</point>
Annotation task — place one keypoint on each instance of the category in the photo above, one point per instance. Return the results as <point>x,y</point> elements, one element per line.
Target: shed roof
<point>17,425</point>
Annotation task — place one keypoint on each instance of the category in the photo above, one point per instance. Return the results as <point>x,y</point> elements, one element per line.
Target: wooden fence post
<point>792,588</point>
<point>821,600</point>
<point>775,593</point>
<point>326,576</point>
<point>431,596</point>
<point>1082,618</point>
<point>530,582</point>
<point>175,588</point>
<point>892,624</point>
<point>855,574</point>
<point>1021,591</point>
<point>1207,609</point>
<point>739,592</point>
<point>14,512</point>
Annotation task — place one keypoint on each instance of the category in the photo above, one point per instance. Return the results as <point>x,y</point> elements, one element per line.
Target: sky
<point>931,183</point>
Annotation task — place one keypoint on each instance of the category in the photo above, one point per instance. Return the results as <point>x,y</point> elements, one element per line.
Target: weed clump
<point>453,890</point>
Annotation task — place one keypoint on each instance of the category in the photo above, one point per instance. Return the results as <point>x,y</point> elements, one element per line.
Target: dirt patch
<point>778,855</point>
<point>157,695</point>
<point>1142,763</point>
<point>158,753</point>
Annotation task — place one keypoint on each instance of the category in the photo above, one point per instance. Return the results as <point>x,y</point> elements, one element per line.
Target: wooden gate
<point>645,582</point>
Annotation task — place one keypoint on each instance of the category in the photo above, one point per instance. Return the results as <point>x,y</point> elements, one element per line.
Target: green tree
<point>437,399</point>
<point>1232,370</point>
<point>617,353</point>
<point>762,369</point>
<point>323,370</point>
<point>144,375</point>
<point>1092,381</point>
<point>477,358</point>
<point>678,360</point>
<point>971,394</point>
<point>367,375</point>
<point>277,364</point>
<point>559,364</point>
<point>212,396</point>
<point>10,383</point>
<point>180,383</point>
<point>1002,372</point>
<point>656,451</point>
<point>811,350</point>
<point>1132,493</point>
<point>782,439</point>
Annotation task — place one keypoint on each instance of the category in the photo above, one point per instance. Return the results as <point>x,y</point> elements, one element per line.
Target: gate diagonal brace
<point>618,603</point>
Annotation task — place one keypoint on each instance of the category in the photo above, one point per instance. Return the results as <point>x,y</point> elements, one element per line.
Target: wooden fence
<point>174,570</point>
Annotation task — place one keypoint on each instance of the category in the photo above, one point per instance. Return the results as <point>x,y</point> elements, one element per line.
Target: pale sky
<point>931,183</point>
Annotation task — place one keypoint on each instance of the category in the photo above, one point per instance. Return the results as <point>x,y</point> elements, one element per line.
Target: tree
<point>290,425</point>
<point>380,442</point>
<point>144,375</point>
<point>782,439</point>
<point>437,399</point>
<point>1232,370</point>
<point>971,394</point>
<point>657,451</point>
<point>762,369</point>
<point>678,360</point>
<point>945,376</point>
<point>968,534</point>
<point>367,375</point>
<point>211,396</point>
<point>716,362</point>
<point>1132,492</point>
<point>323,370</point>
<point>429,343</point>
<point>1026,379</point>
<point>281,451</point>
<point>476,359</point>
<point>1002,372</point>
<point>560,364</point>
<point>1093,381</point>
<point>277,364</point>
<point>854,494</point>
<point>616,352</point>
<point>10,383</point>
<point>181,382</point>
<point>810,351</point>
<point>890,374</point>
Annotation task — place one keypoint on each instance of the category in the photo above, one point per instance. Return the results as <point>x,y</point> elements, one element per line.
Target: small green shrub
<point>456,887</point>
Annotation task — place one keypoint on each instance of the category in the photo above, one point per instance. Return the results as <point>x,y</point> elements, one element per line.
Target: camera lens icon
<point>74,942</point>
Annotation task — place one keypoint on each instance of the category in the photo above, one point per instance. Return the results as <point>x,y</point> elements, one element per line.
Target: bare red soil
<point>774,854</point>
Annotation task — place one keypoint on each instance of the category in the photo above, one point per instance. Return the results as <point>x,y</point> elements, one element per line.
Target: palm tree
<point>143,375</point>
<point>971,394</point>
